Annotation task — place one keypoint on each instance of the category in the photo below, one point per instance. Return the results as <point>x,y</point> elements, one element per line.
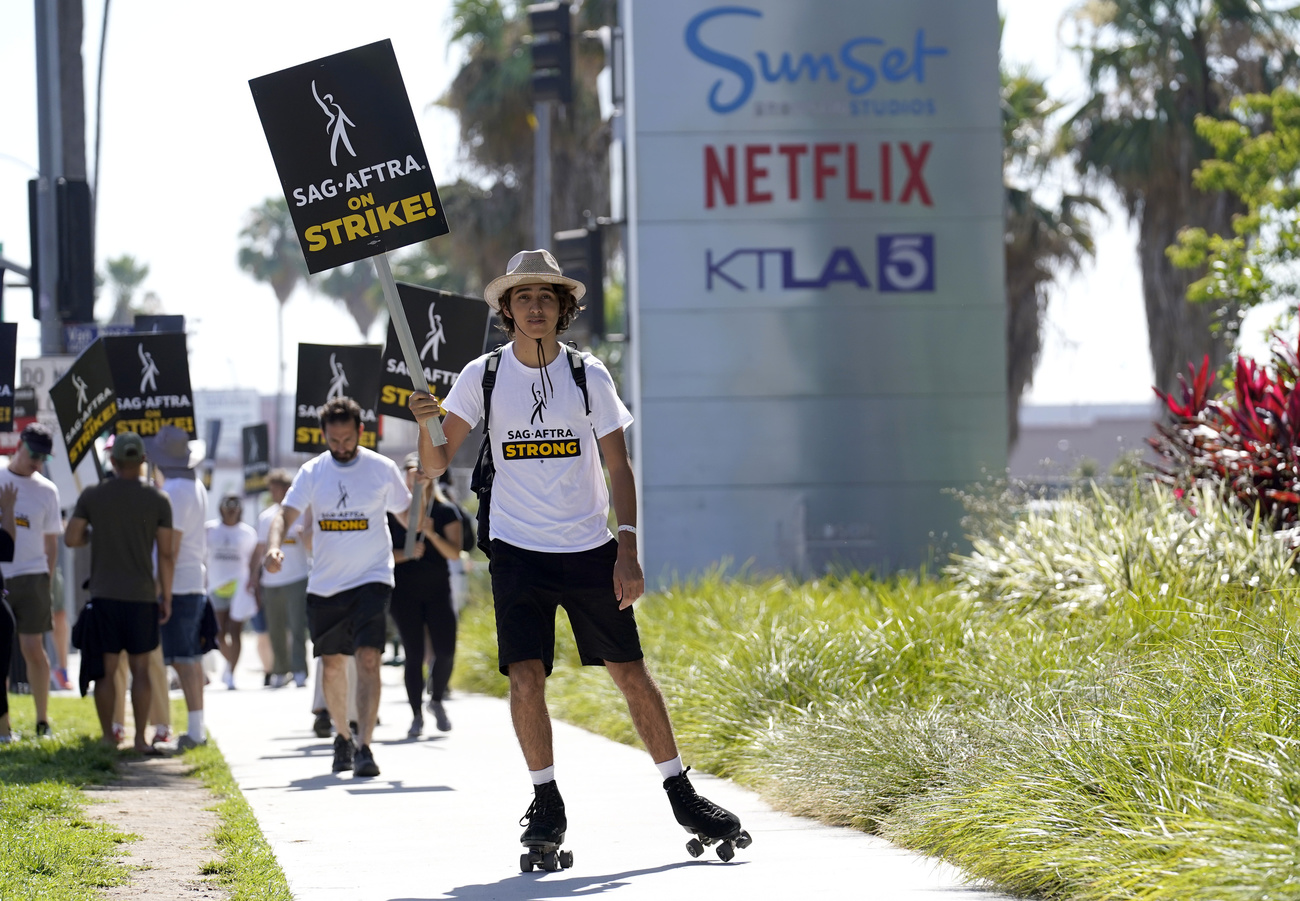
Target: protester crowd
<point>351,543</point>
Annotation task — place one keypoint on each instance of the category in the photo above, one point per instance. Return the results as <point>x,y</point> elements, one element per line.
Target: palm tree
<point>1041,241</point>
<point>269,251</point>
<point>1153,66</point>
<point>125,275</point>
<point>491,214</point>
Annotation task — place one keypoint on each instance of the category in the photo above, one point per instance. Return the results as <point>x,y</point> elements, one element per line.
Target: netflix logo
<point>762,173</point>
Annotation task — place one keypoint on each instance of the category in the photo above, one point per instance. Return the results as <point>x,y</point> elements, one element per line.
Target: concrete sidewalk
<point>441,819</point>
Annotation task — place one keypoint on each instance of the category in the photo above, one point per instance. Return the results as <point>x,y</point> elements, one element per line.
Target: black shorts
<point>130,626</point>
<point>527,586</point>
<point>353,618</point>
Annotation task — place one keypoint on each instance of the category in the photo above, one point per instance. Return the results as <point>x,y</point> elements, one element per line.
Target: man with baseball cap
<point>28,578</point>
<point>125,520</point>
<point>553,414</point>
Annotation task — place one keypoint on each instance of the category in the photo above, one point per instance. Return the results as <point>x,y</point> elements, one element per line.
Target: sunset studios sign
<point>450,330</point>
<point>349,156</point>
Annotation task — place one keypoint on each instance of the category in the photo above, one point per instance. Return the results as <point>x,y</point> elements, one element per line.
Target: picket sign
<point>410,353</point>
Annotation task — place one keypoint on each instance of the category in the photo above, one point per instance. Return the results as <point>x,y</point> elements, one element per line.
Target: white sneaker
<point>229,679</point>
<point>300,679</point>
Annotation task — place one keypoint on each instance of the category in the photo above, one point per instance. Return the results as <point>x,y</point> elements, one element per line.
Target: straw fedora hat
<point>530,267</point>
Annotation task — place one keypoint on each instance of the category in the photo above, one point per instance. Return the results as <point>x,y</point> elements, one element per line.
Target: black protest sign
<point>162,322</point>
<point>8,362</point>
<point>349,156</point>
<point>151,375</point>
<point>449,330</point>
<point>257,457</point>
<point>327,371</point>
<point>84,401</point>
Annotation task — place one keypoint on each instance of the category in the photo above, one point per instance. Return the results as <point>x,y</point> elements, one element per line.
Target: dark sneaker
<point>365,763</point>
<point>322,727</point>
<point>417,727</point>
<point>184,743</point>
<point>343,751</point>
<point>439,716</point>
<point>43,729</point>
<point>544,820</point>
<point>696,814</point>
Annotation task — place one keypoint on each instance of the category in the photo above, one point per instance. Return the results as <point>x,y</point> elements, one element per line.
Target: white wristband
<point>626,528</point>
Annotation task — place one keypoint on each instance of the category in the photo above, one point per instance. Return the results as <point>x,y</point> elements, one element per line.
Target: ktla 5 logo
<point>904,263</point>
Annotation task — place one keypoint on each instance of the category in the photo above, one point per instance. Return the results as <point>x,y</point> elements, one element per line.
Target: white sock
<point>670,768</point>
<point>196,725</point>
<point>543,776</point>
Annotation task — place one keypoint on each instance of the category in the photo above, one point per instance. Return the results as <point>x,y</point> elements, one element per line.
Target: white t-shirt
<point>549,492</point>
<point>349,503</point>
<point>296,563</point>
<point>36,514</point>
<point>230,548</point>
<point>189,514</point>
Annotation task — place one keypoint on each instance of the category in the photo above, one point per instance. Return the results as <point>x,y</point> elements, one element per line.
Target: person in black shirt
<point>422,597</point>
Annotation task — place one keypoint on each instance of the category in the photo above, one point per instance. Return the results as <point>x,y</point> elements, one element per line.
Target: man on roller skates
<point>551,413</point>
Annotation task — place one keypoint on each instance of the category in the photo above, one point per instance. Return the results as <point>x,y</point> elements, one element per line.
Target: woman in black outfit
<point>422,598</point>
<point>8,625</point>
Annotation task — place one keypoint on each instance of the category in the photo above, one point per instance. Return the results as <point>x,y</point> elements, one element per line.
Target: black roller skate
<point>708,822</point>
<point>546,823</point>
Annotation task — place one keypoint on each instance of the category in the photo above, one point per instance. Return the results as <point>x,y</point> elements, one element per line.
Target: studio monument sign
<point>816,277</point>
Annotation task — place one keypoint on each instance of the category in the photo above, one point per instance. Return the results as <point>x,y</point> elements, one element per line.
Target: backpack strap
<point>579,370</point>
<point>489,382</point>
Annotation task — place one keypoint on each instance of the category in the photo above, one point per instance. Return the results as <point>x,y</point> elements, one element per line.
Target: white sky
<point>184,159</point>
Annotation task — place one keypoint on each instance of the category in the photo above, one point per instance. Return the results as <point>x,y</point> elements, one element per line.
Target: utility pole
<point>45,253</point>
<point>551,48</point>
<point>61,121</point>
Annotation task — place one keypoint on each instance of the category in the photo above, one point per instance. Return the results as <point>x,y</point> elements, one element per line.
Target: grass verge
<point>48,849</point>
<point>248,868</point>
<point>1101,702</point>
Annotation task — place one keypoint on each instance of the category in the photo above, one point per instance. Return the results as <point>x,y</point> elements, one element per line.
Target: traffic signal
<point>552,48</point>
<point>74,227</point>
<point>76,250</point>
<point>581,256</point>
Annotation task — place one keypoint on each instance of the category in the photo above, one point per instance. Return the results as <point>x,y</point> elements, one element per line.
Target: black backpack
<point>484,469</point>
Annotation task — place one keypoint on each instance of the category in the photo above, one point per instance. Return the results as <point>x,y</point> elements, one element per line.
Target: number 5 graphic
<point>906,262</point>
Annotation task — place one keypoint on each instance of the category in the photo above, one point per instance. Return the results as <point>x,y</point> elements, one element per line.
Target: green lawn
<point>50,851</point>
<point>1103,702</point>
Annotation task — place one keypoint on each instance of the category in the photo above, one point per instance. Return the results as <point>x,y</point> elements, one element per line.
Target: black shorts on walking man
<point>551,546</point>
<point>349,490</point>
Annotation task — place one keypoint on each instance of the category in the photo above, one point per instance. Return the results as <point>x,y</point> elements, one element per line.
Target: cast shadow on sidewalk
<point>537,886</point>
<point>363,786</point>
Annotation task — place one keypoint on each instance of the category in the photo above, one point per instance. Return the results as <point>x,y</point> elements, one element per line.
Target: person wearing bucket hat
<point>125,522</point>
<point>176,457</point>
<point>29,576</point>
<point>551,414</point>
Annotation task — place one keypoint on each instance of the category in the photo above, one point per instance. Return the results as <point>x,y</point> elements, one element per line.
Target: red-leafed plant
<point>1244,442</point>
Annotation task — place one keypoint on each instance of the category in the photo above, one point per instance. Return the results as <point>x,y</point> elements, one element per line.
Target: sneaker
<point>184,743</point>
<point>300,679</point>
<point>439,716</point>
<point>278,680</point>
<point>61,680</point>
<point>343,753</point>
<point>8,739</point>
<point>119,732</point>
<point>417,726</point>
<point>365,763</point>
<point>43,730</point>
<point>161,732</point>
<point>322,727</point>
<point>229,679</point>
<point>266,680</point>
